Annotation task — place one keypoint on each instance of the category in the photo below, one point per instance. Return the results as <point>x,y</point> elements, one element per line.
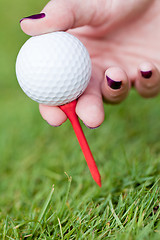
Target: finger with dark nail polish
<point>116,85</point>
<point>147,81</point>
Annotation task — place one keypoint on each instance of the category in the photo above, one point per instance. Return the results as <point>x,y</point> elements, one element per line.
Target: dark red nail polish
<point>113,84</point>
<point>36,16</point>
<point>146,74</point>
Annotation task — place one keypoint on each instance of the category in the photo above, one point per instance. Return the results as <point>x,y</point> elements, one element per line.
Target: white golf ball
<point>53,68</point>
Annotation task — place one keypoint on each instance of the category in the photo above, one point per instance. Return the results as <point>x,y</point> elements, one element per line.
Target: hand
<point>122,38</point>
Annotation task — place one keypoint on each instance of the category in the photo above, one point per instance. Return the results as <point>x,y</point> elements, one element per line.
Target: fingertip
<point>115,86</point>
<point>147,81</point>
<point>90,110</point>
<point>34,25</point>
<point>54,116</point>
<point>55,16</point>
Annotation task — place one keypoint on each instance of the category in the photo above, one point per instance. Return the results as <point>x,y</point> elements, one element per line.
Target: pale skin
<point>123,40</point>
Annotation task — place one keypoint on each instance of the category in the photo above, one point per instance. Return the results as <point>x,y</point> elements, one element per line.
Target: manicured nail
<point>54,125</point>
<point>91,127</point>
<point>113,84</point>
<point>146,74</point>
<point>36,16</point>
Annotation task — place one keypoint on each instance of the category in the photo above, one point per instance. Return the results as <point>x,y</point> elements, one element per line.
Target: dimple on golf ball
<point>54,68</point>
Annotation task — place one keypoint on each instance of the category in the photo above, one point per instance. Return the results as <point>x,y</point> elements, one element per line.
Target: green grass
<point>46,190</point>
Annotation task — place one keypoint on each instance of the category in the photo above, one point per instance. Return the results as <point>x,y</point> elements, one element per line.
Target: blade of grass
<point>8,237</point>
<point>66,197</point>
<point>44,208</point>
<point>115,215</point>
<point>5,228</point>
<point>60,226</point>
<point>16,235</point>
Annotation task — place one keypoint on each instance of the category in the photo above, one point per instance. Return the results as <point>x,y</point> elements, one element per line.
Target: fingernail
<point>91,127</point>
<point>146,74</point>
<point>54,125</point>
<point>36,16</point>
<point>113,84</point>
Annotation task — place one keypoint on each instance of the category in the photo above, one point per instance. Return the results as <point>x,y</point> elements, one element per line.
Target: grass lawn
<point>46,190</point>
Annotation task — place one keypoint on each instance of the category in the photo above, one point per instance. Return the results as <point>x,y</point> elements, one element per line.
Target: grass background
<point>34,157</point>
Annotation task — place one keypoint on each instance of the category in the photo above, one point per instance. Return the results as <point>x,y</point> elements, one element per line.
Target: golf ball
<point>54,68</point>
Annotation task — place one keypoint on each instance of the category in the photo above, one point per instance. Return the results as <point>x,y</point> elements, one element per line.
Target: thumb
<point>60,15</point>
